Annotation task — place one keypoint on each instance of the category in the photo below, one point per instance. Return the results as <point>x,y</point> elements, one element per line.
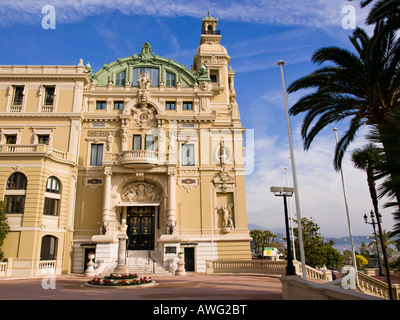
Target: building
<point>143,145</point>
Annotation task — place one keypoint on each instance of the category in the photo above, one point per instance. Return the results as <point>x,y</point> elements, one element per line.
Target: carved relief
<point>224,182</point>
<point>140,192</point>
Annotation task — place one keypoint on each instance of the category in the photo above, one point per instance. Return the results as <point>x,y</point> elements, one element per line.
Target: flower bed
<point>120,280</point>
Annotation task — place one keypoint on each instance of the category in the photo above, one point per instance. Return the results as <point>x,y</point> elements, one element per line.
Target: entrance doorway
<point>189,258</point>
<point>140,221</point>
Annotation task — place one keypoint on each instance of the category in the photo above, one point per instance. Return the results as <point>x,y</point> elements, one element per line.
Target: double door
<point>141,223</point>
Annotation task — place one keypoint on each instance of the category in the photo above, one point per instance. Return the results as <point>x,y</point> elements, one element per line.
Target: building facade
<point>143,153</point>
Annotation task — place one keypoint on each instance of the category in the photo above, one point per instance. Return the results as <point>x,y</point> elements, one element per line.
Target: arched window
<point>17,181</point>
<point>153,72</point>
<point>49,248</point>
<point>52,197</point>
<point>53,185</point>
<point>14,197</point>
<point>169,79</point>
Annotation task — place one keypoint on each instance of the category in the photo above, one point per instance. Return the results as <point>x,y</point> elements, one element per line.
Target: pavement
<point>167,288</point>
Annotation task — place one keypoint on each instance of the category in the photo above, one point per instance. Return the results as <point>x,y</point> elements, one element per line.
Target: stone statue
<point>110,139</point>
<point>144,83</point>
<point>226,213</point>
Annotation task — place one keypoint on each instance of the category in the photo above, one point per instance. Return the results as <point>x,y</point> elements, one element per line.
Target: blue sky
<point>257,34</point>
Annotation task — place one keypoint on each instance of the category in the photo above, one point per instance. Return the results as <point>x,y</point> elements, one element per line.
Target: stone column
<point>107,196</point>
<point>171,221</point>
<point>122,237</point>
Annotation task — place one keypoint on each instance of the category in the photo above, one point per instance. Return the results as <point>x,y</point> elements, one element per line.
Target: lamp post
<point>296,188</point>
<point>376,240</point>
<point>347,213</point>
<point>286,192</point>
<point>291,218</point>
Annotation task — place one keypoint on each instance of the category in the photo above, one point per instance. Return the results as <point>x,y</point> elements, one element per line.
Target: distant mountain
<point>251,226</point>
<point>341,243</point>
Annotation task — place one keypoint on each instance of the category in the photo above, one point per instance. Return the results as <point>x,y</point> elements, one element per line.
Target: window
<point>96,155</point>
<point>53,185</point>
<point>214,75</point>
<point>187,106</point>
<point>51,206</point>
<point>11,139</point>
<point>120,79</point>
<point>17,181</point>
<point>14,203</point>
<point>149,142</point>
<point>43,139</point>
<point>170,106</point>
<point>100,105</point>
<point>188,154</point>
<point>118,105</point>
<point>153,76</point>
<point>49,248</point>
<point>170,80</point>
<point>18,95</point>
<point>137,142</point>
<point>49,96</point>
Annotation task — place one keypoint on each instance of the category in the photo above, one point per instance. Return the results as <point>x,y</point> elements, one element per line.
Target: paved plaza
<point>188,287</point>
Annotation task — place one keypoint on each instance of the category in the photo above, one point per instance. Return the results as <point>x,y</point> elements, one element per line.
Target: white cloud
<point>320,14</point>
<point>320,187</point>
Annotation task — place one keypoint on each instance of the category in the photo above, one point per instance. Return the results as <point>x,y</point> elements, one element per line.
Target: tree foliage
<point>4,228</point>
<point>318,252</point>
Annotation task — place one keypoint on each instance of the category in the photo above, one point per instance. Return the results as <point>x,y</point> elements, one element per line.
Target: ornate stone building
<point>144,150</point>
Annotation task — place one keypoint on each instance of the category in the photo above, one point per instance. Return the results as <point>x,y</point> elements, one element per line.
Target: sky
<point>257,34</point>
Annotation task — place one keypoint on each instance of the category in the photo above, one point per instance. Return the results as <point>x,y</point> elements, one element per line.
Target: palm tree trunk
<point>374,197</point>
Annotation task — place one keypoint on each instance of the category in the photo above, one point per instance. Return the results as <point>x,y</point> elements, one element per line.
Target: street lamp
<point>376,240</point>
<point>296,188</point>
<point>286,192</point>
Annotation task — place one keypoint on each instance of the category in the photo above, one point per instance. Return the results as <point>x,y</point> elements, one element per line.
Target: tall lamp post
<point>286,192</point>
<point>296,188</point>
<point>347,214</point>
<point>376,240</point>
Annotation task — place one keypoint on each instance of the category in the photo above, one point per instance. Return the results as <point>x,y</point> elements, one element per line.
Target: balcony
<point>19,150</point>
<point>135,158</point>
<point>212,32</point>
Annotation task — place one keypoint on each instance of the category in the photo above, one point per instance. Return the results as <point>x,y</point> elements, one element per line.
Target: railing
<point>263,266</point>
<point>15,108</point>
<point>27,148</point>
<point>216,32</point>
<point>47,108</point>
<point>3,268</point>
<point>246,266</point>
<point>372,286</point>
<point>20,148</point>
<point>47,265</point>
<point>139,156</point>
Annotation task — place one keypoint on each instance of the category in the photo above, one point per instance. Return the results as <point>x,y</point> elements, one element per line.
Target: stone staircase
<point>138,262</point>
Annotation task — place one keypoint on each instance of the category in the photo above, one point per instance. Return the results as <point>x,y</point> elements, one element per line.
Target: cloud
<point>320,14</point>
<point>320,186</point>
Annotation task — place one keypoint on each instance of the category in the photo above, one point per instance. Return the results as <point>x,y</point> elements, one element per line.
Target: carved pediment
<point>224,181</point>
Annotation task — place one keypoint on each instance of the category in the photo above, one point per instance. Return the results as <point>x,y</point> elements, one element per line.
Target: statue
<point>110,139</point>
<point>226,213</point>
<point>144,83</point>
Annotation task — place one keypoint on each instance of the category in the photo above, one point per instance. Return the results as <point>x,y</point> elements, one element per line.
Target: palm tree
<point>384,10</point>
<point>390,171</point>
<point>361,86</point>
<point>367,158</point>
